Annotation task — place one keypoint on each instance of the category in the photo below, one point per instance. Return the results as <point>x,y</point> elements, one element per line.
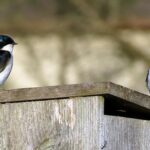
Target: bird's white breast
<point>5,73</point>
<point>148,80</point>
<point>8,47</point>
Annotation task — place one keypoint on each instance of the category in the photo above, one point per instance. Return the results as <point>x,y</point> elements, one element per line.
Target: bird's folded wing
<point>4,59</point>
<point>147,76</point>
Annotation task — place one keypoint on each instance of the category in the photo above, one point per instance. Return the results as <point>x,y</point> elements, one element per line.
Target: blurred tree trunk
<point>114,10</point>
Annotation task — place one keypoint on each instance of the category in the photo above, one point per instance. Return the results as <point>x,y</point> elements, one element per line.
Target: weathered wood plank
<point>52,92</point>
<point>69,124</point>
<point>126,134</point>
<point>129,95</point>
<point>76,90</point>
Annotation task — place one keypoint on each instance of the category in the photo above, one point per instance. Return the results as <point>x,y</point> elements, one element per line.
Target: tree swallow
<point>6,57</point>
<point>148,80</point>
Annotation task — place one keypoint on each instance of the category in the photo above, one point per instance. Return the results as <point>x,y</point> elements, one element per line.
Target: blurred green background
<point>75,41</point>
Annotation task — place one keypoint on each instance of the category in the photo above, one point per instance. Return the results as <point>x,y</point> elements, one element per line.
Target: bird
<point>148,80</point>
<point>6,56</point>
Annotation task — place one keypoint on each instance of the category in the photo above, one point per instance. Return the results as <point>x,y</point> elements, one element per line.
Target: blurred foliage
<point>47,15</point>
<point>62,16</point>
<point>28,17</point>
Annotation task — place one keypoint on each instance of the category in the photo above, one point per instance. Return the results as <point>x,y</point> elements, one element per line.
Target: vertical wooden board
<point>69,124</point>
<point>126,134</point>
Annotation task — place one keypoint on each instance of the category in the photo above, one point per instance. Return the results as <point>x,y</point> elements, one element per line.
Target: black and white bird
<point>6,57</point>
<point>148,80</point>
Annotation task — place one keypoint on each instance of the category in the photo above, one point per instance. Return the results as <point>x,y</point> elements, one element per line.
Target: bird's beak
<point>15,43</point>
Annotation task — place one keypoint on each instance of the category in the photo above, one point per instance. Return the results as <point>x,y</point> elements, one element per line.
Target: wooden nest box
<point>74,117</point>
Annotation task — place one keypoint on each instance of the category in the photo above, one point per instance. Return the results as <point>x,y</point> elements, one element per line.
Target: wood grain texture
<point>69,124</point>
<point>75,90</point>
<point>71,117</point>
<point>126,134</point>
<point>52,92</point>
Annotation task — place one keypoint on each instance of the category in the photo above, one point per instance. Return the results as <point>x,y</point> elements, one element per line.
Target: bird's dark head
<point>6,43</point>
<point>5,40</point>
